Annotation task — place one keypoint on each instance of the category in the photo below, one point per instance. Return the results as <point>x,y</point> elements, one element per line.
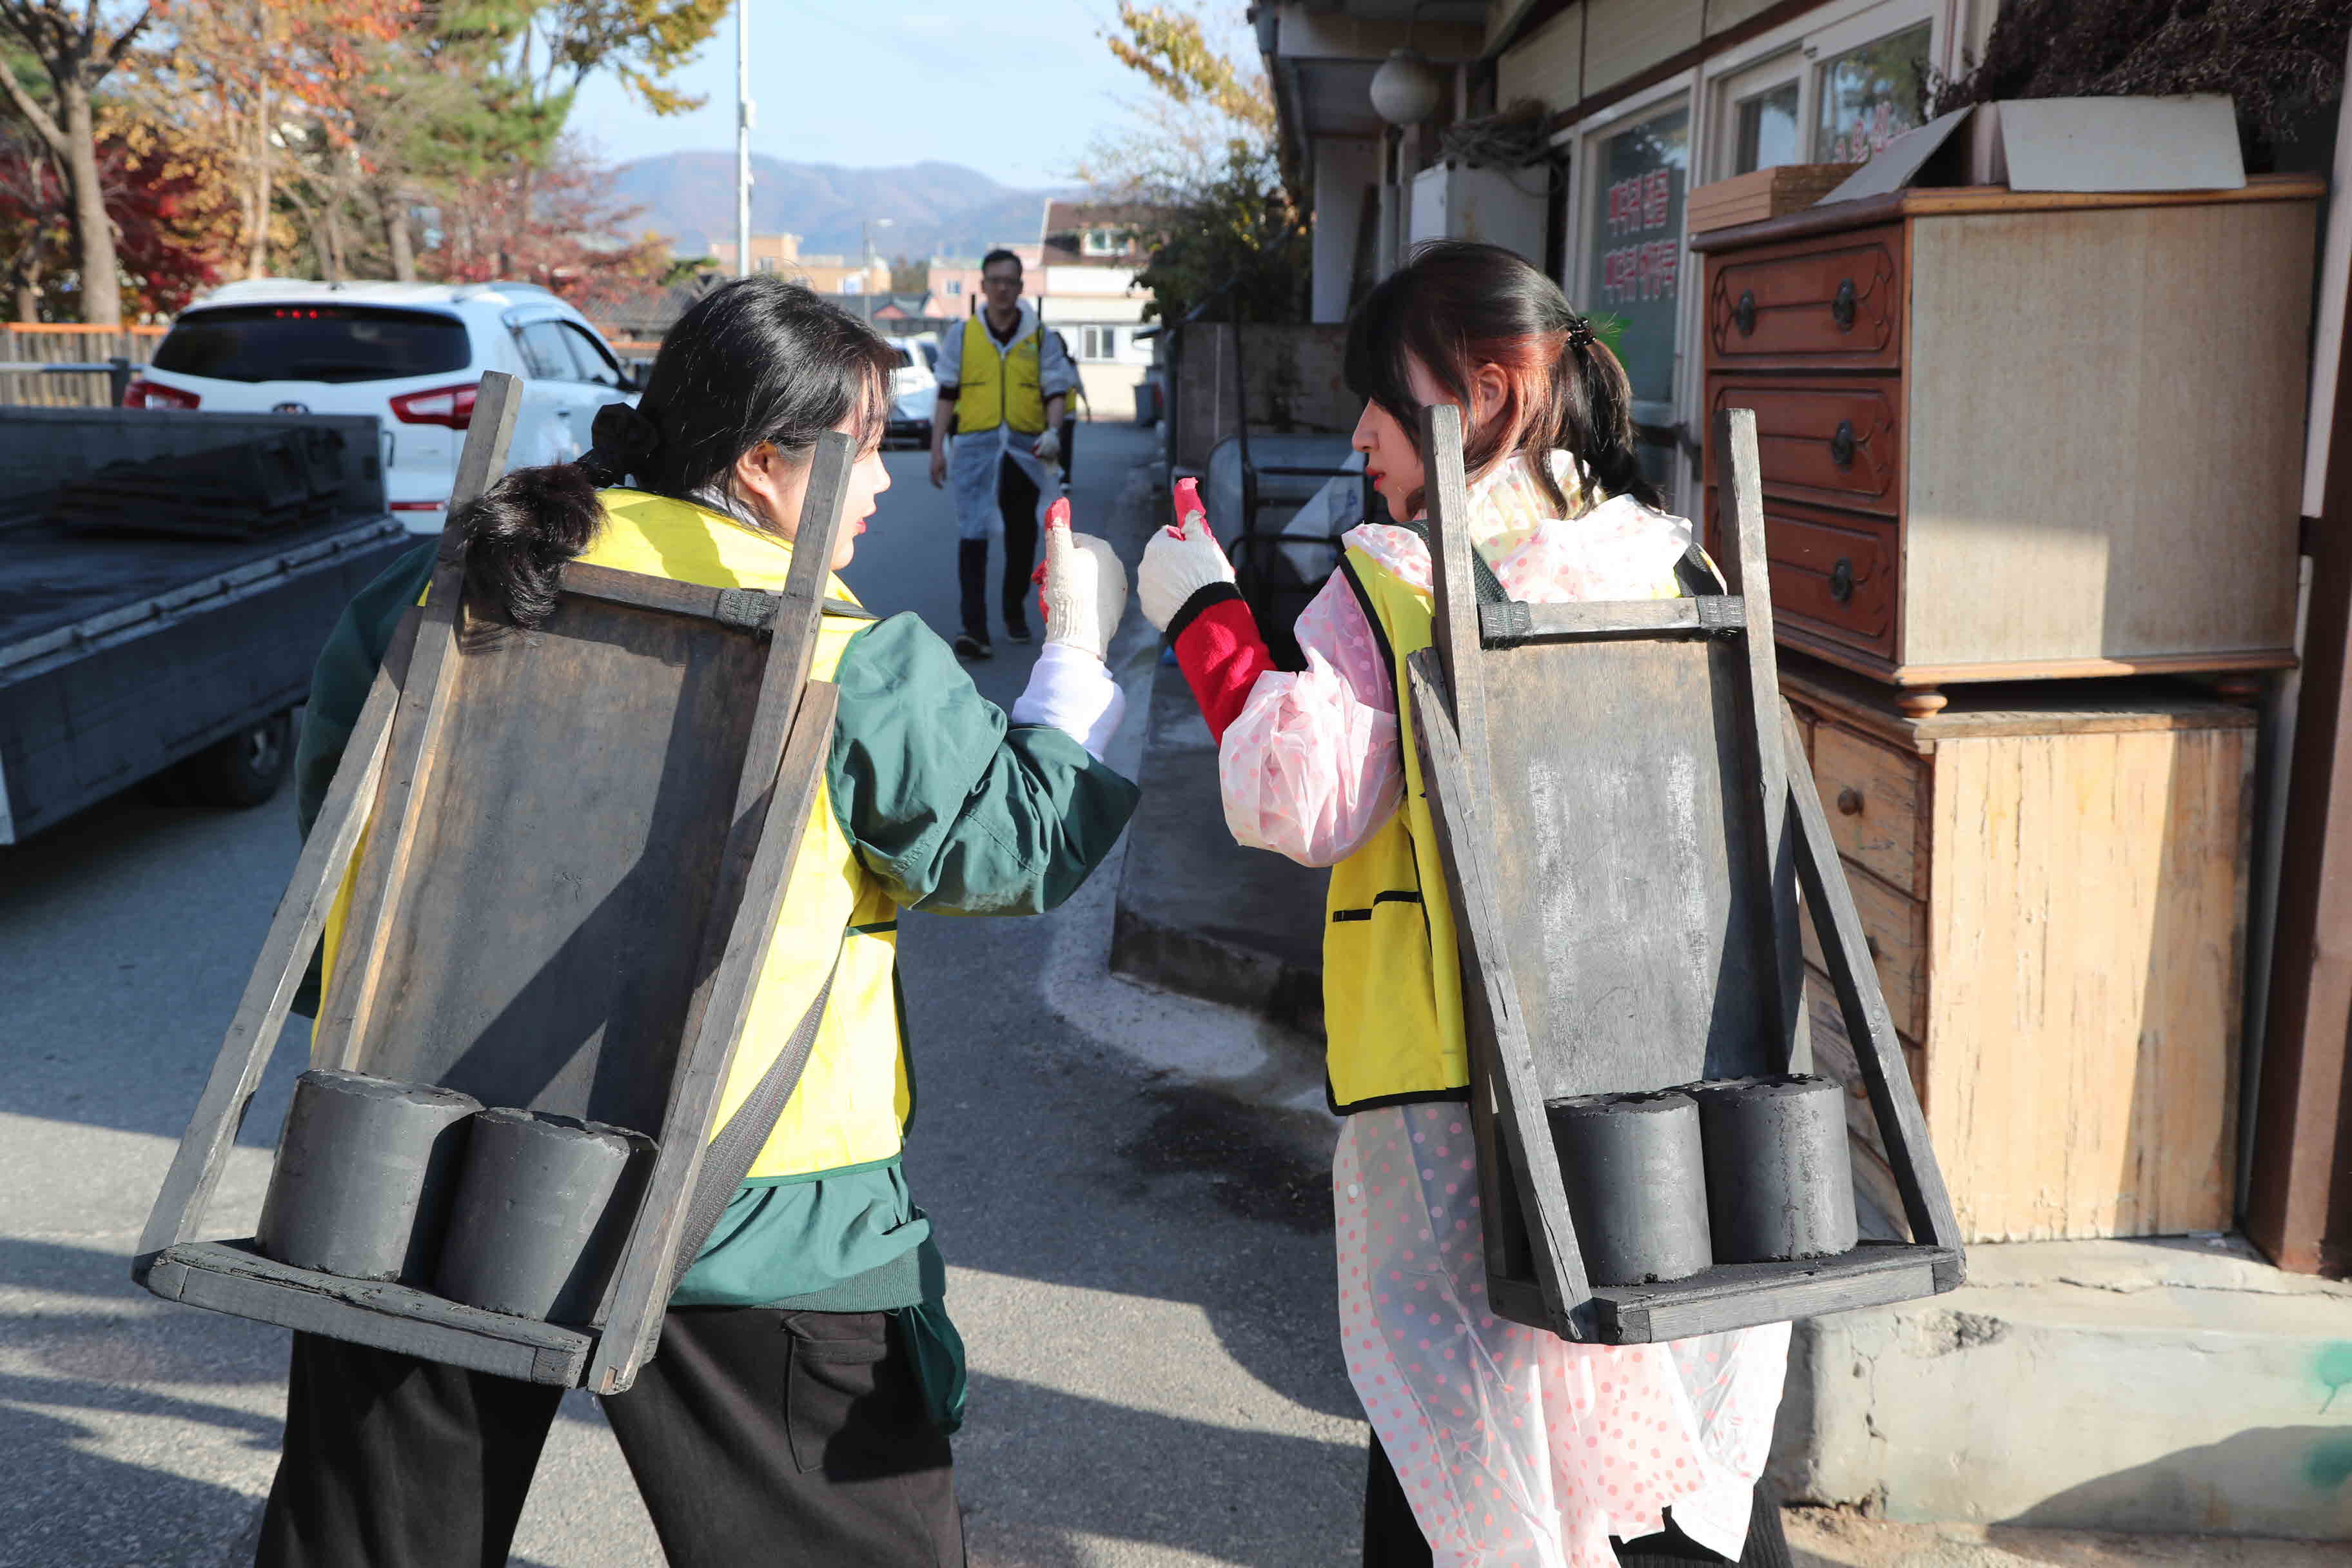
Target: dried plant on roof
<point>2279,58</point>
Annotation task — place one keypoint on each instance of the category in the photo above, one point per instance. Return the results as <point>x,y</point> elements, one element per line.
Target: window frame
<point>574,335</point>
<point>1583,141</point>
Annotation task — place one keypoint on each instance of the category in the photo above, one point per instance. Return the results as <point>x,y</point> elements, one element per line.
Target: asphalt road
<point>1140,1264</point>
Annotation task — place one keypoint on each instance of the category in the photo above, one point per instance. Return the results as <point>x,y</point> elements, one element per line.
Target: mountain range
<point>933,209</point>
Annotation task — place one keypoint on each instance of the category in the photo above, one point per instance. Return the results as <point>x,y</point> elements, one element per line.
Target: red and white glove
<point>1179,562</point>
<point>1188,591</point>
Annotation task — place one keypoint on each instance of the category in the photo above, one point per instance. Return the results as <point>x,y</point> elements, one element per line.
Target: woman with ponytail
<point>797,1413</point>
<point>1492,1444</point>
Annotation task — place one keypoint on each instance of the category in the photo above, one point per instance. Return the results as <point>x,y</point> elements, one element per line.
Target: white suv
<point>411,354</point>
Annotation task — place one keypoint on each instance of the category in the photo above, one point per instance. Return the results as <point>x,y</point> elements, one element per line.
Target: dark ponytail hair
<point>760,359</point>
<point>1457,305</point>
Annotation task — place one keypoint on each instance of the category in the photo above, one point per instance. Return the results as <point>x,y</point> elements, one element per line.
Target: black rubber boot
<point>972,579</point>
<point>1767,1546</point>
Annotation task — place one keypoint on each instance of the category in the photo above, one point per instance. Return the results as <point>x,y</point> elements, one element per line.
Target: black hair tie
<point>1579,332</point>
<point>628,436</point>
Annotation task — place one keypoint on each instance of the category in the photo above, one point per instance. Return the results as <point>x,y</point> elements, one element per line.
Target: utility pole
<point>742,138</point>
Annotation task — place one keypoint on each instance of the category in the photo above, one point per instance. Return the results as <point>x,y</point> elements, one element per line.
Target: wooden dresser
<point>2053,880</point>
<point>2012,435</point>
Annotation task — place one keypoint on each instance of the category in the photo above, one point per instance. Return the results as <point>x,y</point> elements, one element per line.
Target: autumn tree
<point>1201,163</point>
<point>77,48</point>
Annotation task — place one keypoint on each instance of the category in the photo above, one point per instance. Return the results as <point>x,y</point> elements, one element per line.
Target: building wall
<point>1547,65</point>
<point>1346,173</point>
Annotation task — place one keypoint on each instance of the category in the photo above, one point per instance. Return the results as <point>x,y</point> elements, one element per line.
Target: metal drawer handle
<point>1842,445</point>
<point>1841,580</point>
<point>1743,314</point>
<point>1849,801</point>
<point>1842,307</point>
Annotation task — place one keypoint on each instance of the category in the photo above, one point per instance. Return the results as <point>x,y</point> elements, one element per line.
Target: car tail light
<point>144,394</point>
<point>451,405</point>
<point>418,505</point>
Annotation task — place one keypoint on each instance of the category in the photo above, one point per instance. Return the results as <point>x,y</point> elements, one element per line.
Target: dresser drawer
<point>1873,795</point>
<point>1838,444</point>
<point>1896,929</point>
<point>1832,303</point>
<point>1833,573</point>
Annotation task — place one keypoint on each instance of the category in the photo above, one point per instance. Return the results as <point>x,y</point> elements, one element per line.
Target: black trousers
<point>1392,1538</point>
<point>1016,498</point>
<point>785,1440</point>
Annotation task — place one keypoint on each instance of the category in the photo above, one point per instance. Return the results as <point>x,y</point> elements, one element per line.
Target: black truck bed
<point>122,652</point>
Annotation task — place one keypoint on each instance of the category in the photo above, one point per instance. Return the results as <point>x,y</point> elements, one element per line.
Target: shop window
<point>1635,259</point>
<point>1871,95</point>
<point>1765,136</point>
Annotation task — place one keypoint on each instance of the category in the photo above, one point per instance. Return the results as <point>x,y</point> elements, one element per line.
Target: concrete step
<point>1830,1538</point>
<point>2177,1385</point>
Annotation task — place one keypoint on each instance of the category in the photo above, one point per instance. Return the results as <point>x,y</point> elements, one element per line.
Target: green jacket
<point>957,810</point>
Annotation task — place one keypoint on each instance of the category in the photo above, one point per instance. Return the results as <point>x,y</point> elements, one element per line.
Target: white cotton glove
<point>1181,561</point>
<point>1048,447</point>
<point>1085,586</point>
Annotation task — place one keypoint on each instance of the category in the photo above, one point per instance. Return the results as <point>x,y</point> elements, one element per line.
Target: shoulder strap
<point>729,1158</point>
<point>1696,575</point>
<point>1489,586</point>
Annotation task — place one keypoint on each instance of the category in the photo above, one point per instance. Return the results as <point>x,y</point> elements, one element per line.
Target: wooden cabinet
<point>2010,436</point>
<point>2054,880</point>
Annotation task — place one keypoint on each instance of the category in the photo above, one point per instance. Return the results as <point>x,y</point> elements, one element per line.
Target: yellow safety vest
<point>1392,975</point>
<point>1000,385</point>
<point>1392,978</point>
<point>855,1095</point>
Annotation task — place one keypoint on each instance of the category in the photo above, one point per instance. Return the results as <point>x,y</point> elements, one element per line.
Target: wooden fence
<point>47,342</point>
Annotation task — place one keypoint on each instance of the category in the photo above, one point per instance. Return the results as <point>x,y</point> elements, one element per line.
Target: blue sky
<point>1015,89</point>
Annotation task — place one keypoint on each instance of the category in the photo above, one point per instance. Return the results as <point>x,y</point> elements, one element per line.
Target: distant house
<point>825,274</point>
<point>1085,289</point>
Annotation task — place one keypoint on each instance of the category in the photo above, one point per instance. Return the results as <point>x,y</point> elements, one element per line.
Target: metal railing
<point>117,371</point>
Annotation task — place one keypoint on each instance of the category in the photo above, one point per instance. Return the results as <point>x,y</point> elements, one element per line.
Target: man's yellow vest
<point>1000,386</point>
<point>851,1108</point>
<point>1392,979</point>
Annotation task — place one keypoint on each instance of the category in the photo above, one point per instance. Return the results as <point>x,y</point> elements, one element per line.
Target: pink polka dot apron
<point>1516,1448</point>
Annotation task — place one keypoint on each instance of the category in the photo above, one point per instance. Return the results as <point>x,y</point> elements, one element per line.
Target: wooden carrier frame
<point>1626,815</point>
<point>534,931</point>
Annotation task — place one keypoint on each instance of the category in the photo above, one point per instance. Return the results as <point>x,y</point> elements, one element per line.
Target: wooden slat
<point>1741,1296</point>
<point>231,1278</point>
<point>1605,620</point>
<point>1878,1055</point>
<point>351,989</point>
<point>734,607</point>
<point>293,935</point>
<point>1895,933</point>
<point>1746,574</point>
<point>1454,585</point>
<point>1505,1057</point>
<point>793,718</point>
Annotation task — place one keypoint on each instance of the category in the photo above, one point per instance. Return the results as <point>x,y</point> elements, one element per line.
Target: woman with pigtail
<point>1493,1443</point>
<point>798,1409</point>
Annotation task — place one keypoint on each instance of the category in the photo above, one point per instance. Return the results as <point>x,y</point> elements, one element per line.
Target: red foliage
<point>552,224</point>
<point>161,249</point>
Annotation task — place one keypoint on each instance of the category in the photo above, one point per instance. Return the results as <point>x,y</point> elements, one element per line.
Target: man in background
<point>1004,383</point>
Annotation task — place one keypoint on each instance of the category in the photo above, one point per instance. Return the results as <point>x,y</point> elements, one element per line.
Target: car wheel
<point>244,770</point>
